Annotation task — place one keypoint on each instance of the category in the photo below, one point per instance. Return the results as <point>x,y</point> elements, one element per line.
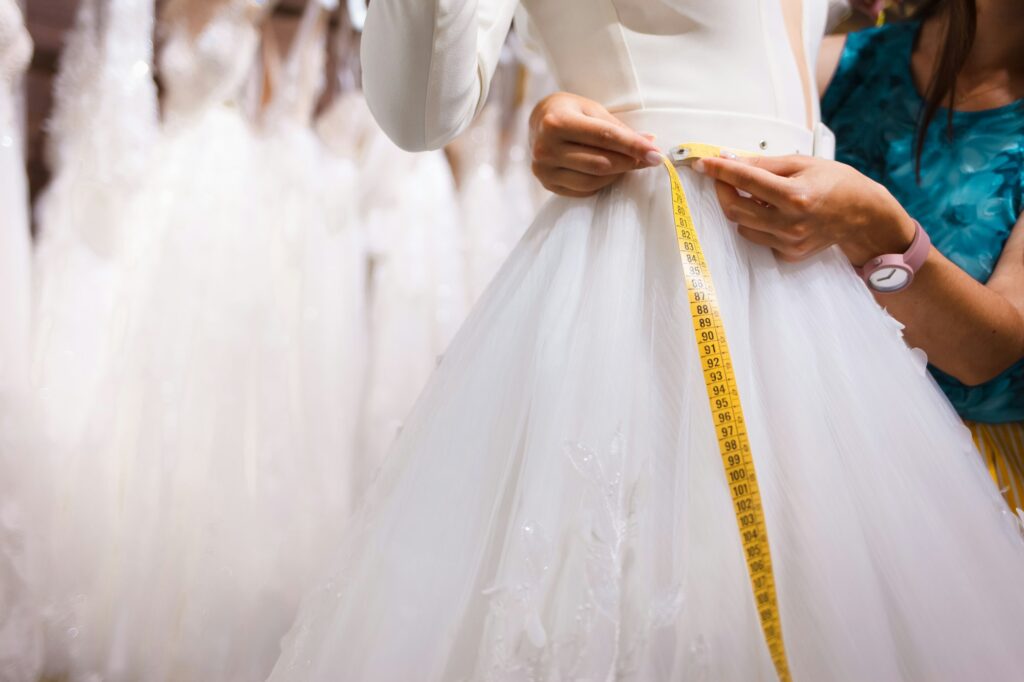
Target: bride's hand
<point>579,148</point>
<point>799,206</point>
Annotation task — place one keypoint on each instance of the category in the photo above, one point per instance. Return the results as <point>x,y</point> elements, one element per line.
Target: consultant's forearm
<point>967,329</point>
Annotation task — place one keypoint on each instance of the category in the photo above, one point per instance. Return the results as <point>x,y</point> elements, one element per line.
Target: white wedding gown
<point>188,518</point>
<point>556,509</point>
<point>416,289</point>
<point>316,202</point>
<point>524,193</point>
<point>498,194</point>
<point>20,640</point>
<point>101,137</point>
<point>488,223</point>
<point>15,52</point>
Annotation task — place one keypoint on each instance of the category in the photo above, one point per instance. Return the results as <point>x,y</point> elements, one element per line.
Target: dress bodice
<point>211,67</point>
<point>15,43</point>
<point>971,191</point>
<point>730,56</point>
<point>427,66</point>
<point>106,102</point>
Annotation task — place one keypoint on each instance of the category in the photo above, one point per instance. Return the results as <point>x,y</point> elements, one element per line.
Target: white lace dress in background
<point>20,637</point>
<point>313,194</point>
<point>492,223</point>
<point>190,512</point>
<point>15,238</point>
<point>101,137</point>
<point>417,287</point>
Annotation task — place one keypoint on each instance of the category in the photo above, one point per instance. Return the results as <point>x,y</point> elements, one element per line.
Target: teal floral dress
<point>971,188</point>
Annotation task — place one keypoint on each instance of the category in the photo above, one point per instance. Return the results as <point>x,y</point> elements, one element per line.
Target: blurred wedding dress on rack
<point>235,296</point>
<point>101,137</point>
<point>498,195</point>
<point>189,516</point>
<point>315,195</point>
<point>20,642</point>
<point>15,52</point>
<point>489,234</point>
<point>417,294</point>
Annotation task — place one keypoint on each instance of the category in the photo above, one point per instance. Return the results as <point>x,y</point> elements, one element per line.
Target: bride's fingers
<point>607,135</point>
<point>592,161</point>
<point>600,112</point>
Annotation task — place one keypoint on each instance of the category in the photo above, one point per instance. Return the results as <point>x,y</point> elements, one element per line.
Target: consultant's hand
<point>799,205</point>
<point>579,148</point>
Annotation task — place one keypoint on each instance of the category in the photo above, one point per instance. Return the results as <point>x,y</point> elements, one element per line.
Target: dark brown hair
<point>961,21</point>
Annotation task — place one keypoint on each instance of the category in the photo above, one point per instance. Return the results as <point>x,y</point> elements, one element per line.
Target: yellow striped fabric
<point>1002,447</point>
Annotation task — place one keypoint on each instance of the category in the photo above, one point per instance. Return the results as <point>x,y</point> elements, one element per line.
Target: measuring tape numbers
<point>724,400</point>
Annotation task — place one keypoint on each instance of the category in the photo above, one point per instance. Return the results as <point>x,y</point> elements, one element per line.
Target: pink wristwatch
<point>895,271</point>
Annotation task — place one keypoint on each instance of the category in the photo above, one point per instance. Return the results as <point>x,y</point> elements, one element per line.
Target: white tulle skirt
<point>186,523</point>
<point>556,509</point>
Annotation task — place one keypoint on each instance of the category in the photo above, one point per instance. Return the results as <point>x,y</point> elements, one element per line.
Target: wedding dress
<point>498,195</point>
<point>15,52</point>
<point>102,133</point>
<point>487,211</point>
<point>189,516</point>
<point>417,279</point>
<point>556,507</point>
<point>315,197</point>
<point>20,650</point>
<point>524,191</point>
<point>101,138</point>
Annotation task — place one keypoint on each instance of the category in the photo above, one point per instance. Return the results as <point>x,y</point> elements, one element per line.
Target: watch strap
<point>914,257</point>
<point>917,254</point>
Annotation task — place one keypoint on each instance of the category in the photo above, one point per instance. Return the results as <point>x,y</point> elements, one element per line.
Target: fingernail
<point>698,165</point>
<point>727,155</point>
<point>745,195</point>
<point>649,136</point>
<point>652,158</point>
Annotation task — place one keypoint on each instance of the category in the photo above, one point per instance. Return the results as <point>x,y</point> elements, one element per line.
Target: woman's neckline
<point>913,29</point>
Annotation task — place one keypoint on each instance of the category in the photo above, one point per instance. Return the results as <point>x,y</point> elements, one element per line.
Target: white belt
<point>757,134</point>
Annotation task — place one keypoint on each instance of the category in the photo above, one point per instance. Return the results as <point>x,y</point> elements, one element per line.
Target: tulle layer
<point>556,509</point>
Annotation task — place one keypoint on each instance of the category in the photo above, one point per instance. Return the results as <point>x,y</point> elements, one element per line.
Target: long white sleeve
<point>427,65</point>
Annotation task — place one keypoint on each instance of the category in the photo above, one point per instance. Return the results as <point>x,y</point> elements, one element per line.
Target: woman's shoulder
<point>869,57</point>
<point>878,49</point>
<point>887,40</point>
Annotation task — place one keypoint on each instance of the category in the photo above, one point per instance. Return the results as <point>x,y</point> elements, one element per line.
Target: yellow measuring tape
<point>724,398</point>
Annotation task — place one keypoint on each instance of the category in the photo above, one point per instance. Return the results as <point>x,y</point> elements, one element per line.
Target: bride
<point>556,506</point>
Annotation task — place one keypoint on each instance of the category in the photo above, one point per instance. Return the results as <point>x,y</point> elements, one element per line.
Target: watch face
<point>889,278</point>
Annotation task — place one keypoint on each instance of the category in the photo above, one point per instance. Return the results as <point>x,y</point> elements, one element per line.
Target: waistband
<point>757,134</point>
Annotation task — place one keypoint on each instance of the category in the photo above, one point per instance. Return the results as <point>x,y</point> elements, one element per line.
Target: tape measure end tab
<point>681,155</point>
